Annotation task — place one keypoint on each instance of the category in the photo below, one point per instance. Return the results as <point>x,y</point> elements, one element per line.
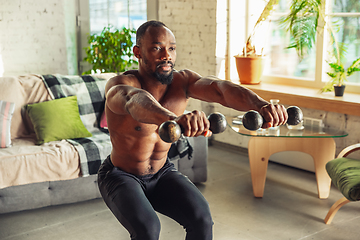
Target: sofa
<point>52,142</point>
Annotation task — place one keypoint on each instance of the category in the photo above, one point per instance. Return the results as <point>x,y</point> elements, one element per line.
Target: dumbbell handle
<point>170,131</point>
<point>252,120</point>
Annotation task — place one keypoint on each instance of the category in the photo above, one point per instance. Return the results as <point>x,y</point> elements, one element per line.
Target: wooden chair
<point>345,175</point>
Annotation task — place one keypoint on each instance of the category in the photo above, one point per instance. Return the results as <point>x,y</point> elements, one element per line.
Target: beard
<point>164,78</point>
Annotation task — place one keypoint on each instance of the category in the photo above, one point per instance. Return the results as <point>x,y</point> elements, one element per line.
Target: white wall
<point>194,24</point>
<point>37,37</point>
<point>40,36</point>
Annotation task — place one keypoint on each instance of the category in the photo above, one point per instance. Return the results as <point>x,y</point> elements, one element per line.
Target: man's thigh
<point>125,197</point>
<point>178,198</point>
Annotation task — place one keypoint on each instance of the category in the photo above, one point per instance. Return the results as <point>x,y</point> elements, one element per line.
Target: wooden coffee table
<point>314,140</point>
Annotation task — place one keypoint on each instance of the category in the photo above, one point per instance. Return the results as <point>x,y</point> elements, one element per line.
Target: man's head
<point>156,50</point>
<point>142,29</point>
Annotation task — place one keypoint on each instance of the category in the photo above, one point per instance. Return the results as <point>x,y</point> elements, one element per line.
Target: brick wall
<point>194,24</point>
<point>33,37</point>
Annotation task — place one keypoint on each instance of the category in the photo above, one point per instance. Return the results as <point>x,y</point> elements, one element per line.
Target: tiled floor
<point>289,209</point>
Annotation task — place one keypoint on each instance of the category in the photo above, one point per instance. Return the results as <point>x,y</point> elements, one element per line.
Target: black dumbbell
<point>252,120</point>
<point>170,131</point>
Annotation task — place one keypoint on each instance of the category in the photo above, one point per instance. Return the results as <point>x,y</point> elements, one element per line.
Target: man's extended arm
<point>228,94</point>
<point>141,105</point>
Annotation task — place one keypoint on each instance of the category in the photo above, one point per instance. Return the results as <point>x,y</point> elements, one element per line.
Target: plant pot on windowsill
<point>339,90</point>
<point>338,75</point>
<point>250,68</point>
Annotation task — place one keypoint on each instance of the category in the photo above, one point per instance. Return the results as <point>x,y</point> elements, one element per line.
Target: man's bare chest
<point>175,101</point>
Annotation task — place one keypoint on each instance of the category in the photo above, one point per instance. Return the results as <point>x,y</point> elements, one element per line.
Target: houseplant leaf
<point>354,67</point>
<point>111,50</point>
<point>302,23</point>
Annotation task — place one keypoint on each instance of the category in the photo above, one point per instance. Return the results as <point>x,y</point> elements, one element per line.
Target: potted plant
<point>110,51</point>
<point>250,64</point>
<point>338,76</point>
<point>302,23</point>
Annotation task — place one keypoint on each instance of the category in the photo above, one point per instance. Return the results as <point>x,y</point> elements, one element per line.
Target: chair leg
<point>334,208</point>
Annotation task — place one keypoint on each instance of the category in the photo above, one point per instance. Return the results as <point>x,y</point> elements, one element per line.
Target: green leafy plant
<point>305,20</point>
<point>110,51</point>
<point>302,24</point>
<point>339,74</point>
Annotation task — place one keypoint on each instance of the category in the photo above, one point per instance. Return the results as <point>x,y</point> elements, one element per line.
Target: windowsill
<point>309,98</point>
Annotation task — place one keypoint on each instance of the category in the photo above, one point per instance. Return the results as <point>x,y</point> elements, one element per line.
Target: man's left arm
<point>228,94</point>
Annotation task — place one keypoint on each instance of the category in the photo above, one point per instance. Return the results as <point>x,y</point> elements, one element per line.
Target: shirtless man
<point>137,178</point>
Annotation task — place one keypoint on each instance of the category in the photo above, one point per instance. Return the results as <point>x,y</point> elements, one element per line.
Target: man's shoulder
<point>183,79</point>
<point>186,75</point>
<point>127,78</point>
<point>130,72</point>
<point>184,72</point>
<point>131,75</point>
<point>180,77</point>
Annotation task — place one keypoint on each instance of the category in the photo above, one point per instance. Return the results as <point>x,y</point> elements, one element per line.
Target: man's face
<point>158,52</point>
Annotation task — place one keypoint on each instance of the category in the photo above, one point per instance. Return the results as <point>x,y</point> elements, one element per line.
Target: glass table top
<point>305,131</point>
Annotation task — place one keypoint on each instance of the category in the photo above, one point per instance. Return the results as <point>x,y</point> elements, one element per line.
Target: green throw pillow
<point>56,120</point>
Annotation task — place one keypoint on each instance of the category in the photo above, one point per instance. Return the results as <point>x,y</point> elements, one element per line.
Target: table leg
<point>258,159</point>
<point>260,149</point>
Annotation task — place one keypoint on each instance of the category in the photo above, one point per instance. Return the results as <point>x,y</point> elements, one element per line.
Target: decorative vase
<point>339,90</point>
<point>250,69</point>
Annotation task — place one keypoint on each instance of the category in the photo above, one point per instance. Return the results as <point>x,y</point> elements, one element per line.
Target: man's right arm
<point>125,96</point>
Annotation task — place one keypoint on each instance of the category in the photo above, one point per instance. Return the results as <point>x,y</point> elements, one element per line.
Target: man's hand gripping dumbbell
<point>170,131</point>
<point>252,120</point>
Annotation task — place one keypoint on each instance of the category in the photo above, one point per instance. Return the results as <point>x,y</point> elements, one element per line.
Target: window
<point>345,15</point>
<point>283,65</point>
<point>118,13</point>
<point>94,15</point>
<point>284,61</point>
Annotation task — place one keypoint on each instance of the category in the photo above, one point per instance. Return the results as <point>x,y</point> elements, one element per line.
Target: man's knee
<point>202,222</point>
<point>148,230</point>
<point>200,230</point>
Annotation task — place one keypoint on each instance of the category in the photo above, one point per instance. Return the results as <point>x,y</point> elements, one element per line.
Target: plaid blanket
<point>90,92</point>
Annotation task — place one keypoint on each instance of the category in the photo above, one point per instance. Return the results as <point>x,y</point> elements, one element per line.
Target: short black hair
<point>142,29</point>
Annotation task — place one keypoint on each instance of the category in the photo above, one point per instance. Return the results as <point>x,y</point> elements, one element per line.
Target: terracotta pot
<point>339,90</point>
<point>250,69</point>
